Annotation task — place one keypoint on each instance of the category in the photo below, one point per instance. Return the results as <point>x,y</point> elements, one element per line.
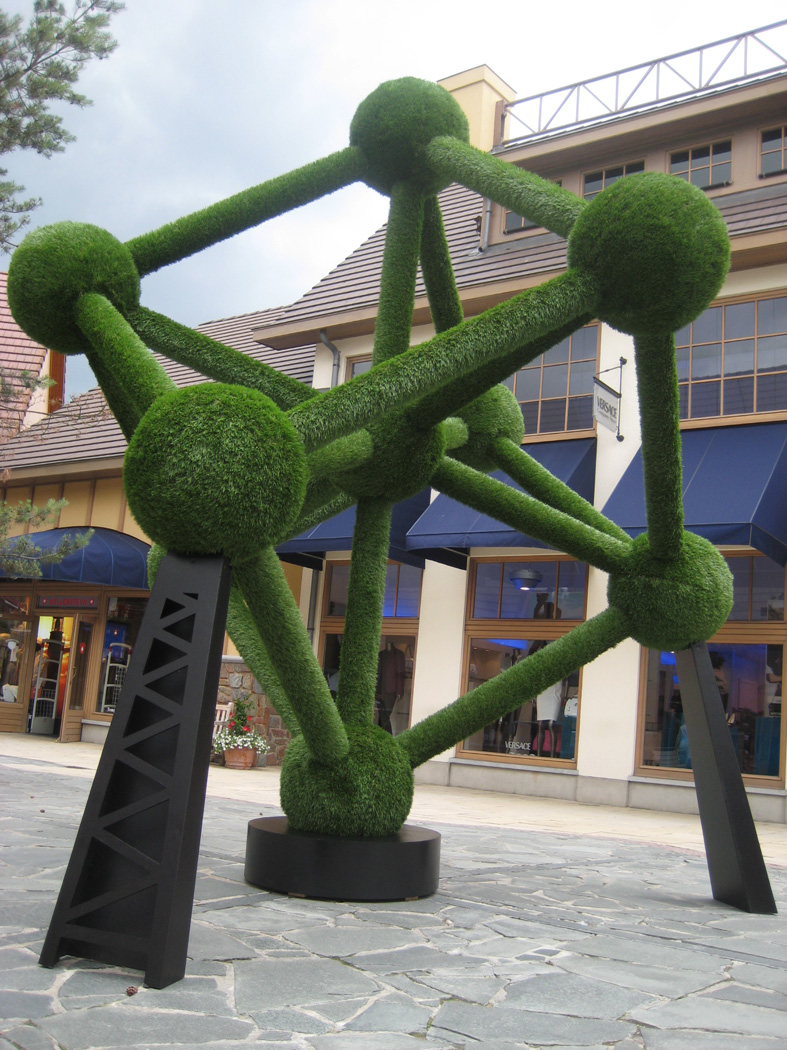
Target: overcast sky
<point>198,103</point>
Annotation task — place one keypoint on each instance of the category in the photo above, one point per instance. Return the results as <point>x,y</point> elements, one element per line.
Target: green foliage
<point>366,795</point>
<point>493,415</point>
<point>177,240</point>
<point>394,125</point>
<point>40,62</point>
<point>239,732</point>
<point>518,190</point>
<point>214,469</point>
<point>657,247</point>
<point>672,604</point>
<point>57,264</point>
<point>20,557</point>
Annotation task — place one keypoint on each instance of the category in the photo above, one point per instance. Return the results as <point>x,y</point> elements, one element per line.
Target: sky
<point>198,103</point>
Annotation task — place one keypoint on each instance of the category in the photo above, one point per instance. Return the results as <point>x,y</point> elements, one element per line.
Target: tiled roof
<point>19,356</point>
<point>355,283</point>
<point>85,429</point>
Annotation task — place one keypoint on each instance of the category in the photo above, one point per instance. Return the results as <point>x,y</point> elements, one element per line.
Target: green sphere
<point>53,267</point>
<point>493,415</point>
<point>670,606</point>
<point>658,249</point>
<point>215,469</point>
<point>393,126</point>
<point>402,463</point>
<point>366,795</point>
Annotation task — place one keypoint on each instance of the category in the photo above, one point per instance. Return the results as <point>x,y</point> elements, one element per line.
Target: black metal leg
<point>129,887</point>
<point>737,870</point>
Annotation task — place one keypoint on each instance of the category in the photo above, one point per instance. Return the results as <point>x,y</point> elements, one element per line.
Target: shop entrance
<point>57,685</point>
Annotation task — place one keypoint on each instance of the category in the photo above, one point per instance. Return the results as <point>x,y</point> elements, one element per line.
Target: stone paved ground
<point>535,939</point>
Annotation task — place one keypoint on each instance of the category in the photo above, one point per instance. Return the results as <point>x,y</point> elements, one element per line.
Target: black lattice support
<point>129,887</point>
<point>735,863</point>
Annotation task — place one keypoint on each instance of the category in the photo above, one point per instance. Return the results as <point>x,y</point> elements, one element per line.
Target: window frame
<point>741,418</point>
<point>732,632</point>
<point>606,177</point>
<point>710,146</point>
<point>782,150</point>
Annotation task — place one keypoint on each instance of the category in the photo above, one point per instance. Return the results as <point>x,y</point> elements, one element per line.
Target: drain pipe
<point>315,585</point>
<point>336,357</point>
<point>486,224</point>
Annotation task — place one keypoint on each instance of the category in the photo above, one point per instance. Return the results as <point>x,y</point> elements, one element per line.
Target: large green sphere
<point>402,462</point>
<point>215,469</point>
<point>493,415</point>
<point>393,126</point>
<point>671,606</point>
<point>366,795</point>
<point>53,267</point>
<point>658,249</point>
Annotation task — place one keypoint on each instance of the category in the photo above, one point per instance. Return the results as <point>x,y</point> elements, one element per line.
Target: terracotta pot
<point>240,757</point>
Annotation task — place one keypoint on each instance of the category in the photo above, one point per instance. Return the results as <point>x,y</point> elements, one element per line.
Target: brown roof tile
<point>19,357</point>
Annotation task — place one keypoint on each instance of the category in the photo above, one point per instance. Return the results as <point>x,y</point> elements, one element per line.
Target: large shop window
<point>733,360</point>
<point>15,635</point>
<point>747,658</point>
<point>555,392</point>
<point>124,618</point>
<point>547,598</point>
<point>396,658</point>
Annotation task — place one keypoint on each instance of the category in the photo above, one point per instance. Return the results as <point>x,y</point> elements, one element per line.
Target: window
<point>357,366</point>
<point>596,181</point>
<point>704,166</point>
<point>515,223</point>
<point>555,392</point>
<point>773,160</point>
<point>545,596</point>
<point>746,656</point>
<point>402,599</point>
<point>733,360</point>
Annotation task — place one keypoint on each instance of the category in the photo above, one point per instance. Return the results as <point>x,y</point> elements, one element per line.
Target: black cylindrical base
<point>304,864</point>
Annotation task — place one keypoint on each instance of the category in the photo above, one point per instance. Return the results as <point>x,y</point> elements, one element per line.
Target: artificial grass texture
<point>495,414</point>
<point>53,267</point>
<point>670,605</point>
<point>368,795</point>
<point>214,360</point>
<point>659,421</point>
<point>364,617</point>
<point>658,248</point>
<point>441,291</point>
<point>111,339</point>
<point>508,330</point>
<point>502,694</point>
<point>193,233</point>
<point>397,280</point>
<point>289,649</point>
<point>215,469</point>
<point>518,190</point>
<point>393,127</point>
<point>530,516</point>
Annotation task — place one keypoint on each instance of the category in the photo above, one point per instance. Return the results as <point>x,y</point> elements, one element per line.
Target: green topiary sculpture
<point>238,466</point>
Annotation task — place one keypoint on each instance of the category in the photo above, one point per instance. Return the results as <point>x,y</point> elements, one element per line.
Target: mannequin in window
<point>390,682</point>
<point>548,704</point>
<point>544,608</point>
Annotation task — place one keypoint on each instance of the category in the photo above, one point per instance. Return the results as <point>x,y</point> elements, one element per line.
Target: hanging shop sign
<point>606,405</point>
<point>67,601</point>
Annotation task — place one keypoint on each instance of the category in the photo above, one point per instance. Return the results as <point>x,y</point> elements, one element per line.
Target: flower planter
<point>240,758</point>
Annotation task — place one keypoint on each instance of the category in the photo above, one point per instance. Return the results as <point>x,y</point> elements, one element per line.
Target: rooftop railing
<point>756,55</point>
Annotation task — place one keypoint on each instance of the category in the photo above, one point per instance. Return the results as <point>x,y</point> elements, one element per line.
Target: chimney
<point>479,91</point>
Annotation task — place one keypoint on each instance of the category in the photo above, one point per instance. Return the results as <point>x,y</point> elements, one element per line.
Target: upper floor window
<point>773,158</point>
<point>555,392</point>
<point>596,181</point>
<point>356,366</point>
<point>528,590</point>
<point>733,360</point>
<point>706,166</point>
<point>402,590</point>
<point>515,223</point>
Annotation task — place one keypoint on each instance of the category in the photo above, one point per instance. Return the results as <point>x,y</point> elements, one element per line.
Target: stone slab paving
<point>534,939</point>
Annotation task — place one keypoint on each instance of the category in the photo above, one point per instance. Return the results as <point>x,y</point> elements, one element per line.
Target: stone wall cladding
<point>235,680</point>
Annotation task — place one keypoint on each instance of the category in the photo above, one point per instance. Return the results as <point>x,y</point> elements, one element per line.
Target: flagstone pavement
<point>555,925</point>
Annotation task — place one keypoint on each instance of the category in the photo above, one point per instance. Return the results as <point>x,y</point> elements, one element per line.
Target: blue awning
<point>110,558</point>
<point>734,488</point>
<point>449,524</point>
<point>336,534</point>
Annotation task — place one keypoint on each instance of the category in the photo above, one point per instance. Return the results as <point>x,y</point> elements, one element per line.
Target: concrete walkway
<point>555,925</point>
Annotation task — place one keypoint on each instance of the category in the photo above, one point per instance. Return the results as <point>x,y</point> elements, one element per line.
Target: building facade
<point>467,597</point>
